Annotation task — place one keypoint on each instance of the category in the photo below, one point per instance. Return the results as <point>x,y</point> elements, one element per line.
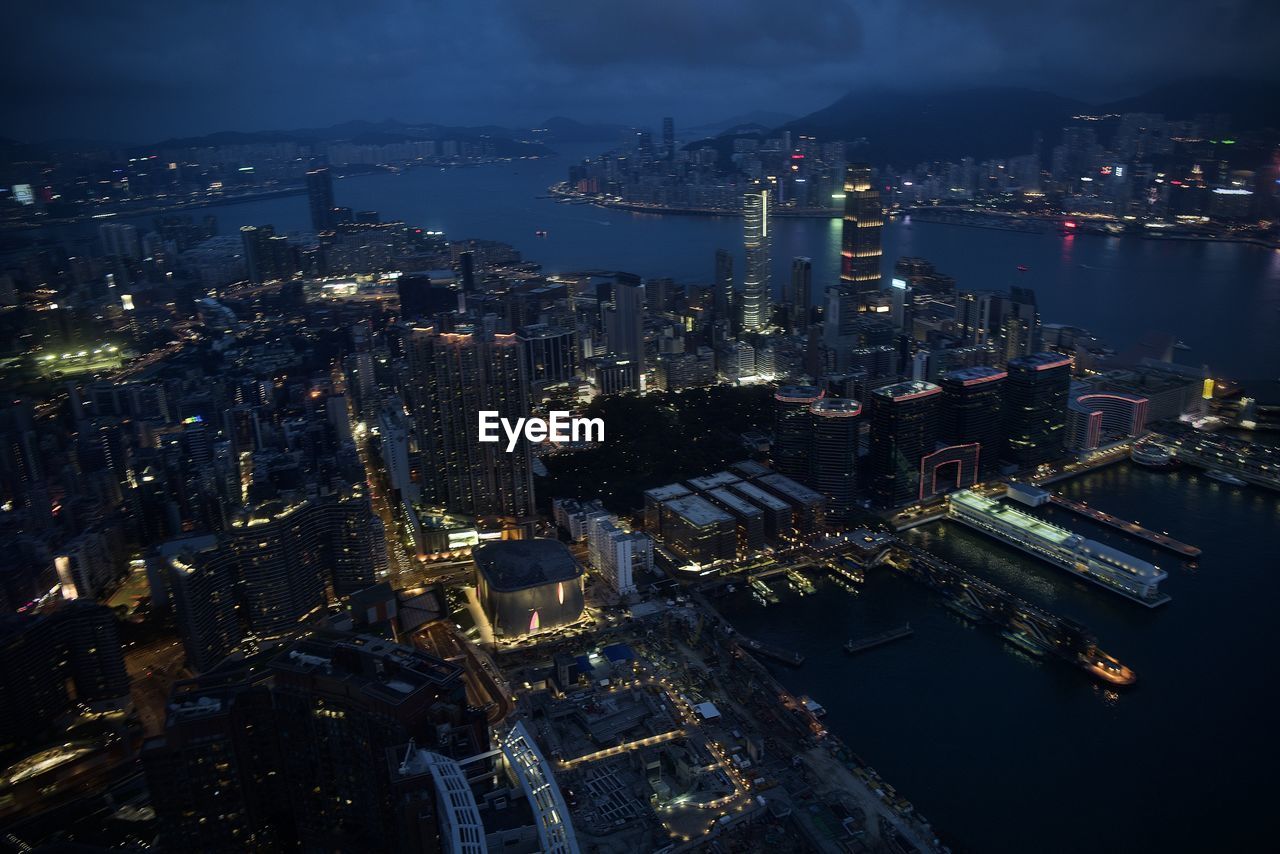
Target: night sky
<point>149,69</point>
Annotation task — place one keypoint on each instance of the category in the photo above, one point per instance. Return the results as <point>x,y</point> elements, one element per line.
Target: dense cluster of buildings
<point>1131,167</point>
<point>245,445</point>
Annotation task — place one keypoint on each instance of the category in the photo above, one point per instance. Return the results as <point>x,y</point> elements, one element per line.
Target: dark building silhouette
<point>792,429</point>
<point>973,412</point>
<point>904,428</point>
<point>800,295</point>
<point>723,299</point>
<point>1035,408</point>
<point>288,750</point>
<point>834,456</point>
<point>320,199</point>
<point>49,661</point>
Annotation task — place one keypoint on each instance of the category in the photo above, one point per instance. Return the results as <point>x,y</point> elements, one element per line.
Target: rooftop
<point>668,492</point>
<point>907,390</point>
<point>735,503</point>
<point>760,497</point>
<point>1040,362</point>
<point>519,564</point>
<point>798,394</point>
<point>791,489</point>
<point>974,376</point>
<point>1004,512</point>
<point>711,481</point>
<point>836,407</point>
<point>698,511</point>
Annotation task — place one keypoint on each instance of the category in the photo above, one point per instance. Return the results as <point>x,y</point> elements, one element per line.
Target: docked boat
<point>1024,642</point>
<point>1224,477</point>
<point>1152,456</point>
<point>964,609</point>
<point>813,706</point>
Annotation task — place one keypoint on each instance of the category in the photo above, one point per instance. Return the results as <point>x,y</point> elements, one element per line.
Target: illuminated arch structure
<point>950,468</point>
<point>1098,417</point>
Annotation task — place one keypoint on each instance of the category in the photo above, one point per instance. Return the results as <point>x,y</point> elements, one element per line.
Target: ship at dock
<point>1133,578</point>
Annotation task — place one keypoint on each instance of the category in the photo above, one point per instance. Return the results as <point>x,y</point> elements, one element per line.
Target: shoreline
<point>969,219</point>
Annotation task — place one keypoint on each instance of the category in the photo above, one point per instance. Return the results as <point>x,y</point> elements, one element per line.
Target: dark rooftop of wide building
<point>519,564</point>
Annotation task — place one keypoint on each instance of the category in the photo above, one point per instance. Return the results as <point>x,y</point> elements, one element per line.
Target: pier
<point>1124,526</point>
<point>1111,569</point>
<point>904,631</point>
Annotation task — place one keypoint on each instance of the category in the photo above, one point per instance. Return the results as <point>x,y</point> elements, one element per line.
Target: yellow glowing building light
<point>1207,391</point>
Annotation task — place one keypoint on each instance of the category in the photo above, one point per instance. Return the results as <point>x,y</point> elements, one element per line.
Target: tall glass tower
<point>755,285</point>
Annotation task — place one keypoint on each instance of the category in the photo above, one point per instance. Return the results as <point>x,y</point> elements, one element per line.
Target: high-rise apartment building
<point>454,376</point>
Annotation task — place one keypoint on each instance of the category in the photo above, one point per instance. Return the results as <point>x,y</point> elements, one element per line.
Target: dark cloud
<point>147,69</point>
<point>737,34</point>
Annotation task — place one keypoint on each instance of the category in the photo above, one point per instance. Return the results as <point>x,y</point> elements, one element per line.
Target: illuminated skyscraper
<point>320,198</point>
<point>755,284</point>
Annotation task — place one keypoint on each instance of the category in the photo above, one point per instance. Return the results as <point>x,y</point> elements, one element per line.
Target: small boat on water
<point>542,232</point>
<point>1224,477</point>
<point>1022,268</point>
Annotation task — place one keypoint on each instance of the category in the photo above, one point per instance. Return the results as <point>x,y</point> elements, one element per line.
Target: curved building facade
<point>1099,417</point>
<point>528,586</point>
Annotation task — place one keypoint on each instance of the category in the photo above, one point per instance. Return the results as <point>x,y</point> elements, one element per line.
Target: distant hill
<point>362,132</point>
<point>561,129</point>
<point>1252,104</point>
<point>741,123</point>
<point>910,127</point>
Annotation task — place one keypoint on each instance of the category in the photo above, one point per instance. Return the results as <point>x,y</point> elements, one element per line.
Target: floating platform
<point>853,647</point>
